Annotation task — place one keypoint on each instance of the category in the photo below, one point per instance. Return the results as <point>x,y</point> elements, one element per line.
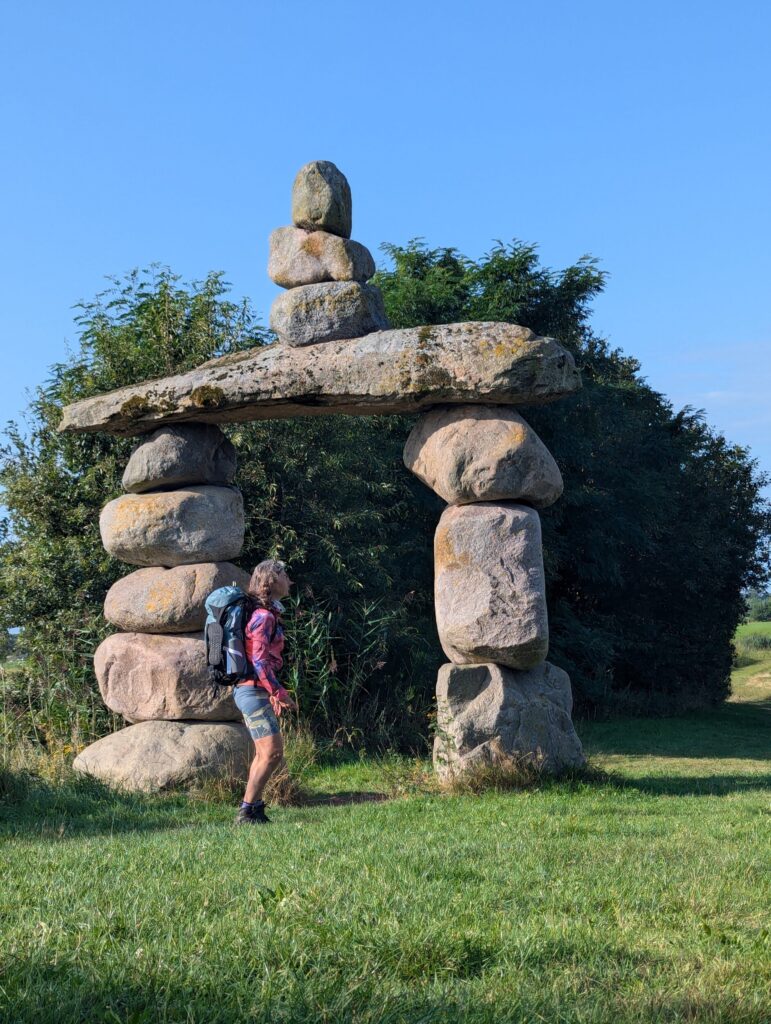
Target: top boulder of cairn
<point>321,199</point>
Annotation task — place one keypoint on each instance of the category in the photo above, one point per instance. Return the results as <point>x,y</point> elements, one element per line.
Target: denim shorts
<point>254,704</point>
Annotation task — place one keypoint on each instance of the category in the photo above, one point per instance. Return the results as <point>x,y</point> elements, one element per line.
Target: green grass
<point>641,897</point>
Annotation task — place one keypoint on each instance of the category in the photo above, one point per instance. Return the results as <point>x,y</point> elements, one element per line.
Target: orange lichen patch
<point>313,244</point>
<point>511,440</point>
<point>161,597</point>
<point>133,510</point>
<point>445,555</point>
<point>513,347</point>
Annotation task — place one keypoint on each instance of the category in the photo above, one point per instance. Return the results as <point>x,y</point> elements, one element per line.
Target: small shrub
<point>754,642</point>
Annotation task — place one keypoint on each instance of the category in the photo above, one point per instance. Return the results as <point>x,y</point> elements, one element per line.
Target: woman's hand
<point>280,699</point>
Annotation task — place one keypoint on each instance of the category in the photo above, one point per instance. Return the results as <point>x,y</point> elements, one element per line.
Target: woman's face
<point>281,586</point>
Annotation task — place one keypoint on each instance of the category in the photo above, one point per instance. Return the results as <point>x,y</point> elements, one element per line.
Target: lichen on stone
<point>207,396</point>
<point>135,407</point>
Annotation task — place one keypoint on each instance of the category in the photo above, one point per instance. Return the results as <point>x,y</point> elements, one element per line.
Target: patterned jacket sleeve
<point>261,629</point>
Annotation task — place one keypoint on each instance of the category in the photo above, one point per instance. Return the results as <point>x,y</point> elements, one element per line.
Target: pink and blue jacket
<point>264,642</point>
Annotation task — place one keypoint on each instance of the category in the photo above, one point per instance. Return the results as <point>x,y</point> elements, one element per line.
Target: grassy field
<point>643,896</point>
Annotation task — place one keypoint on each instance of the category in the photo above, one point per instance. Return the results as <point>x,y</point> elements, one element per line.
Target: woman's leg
<point>268,755</point>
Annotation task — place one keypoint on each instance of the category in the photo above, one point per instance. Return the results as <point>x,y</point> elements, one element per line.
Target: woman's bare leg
<point>268,755</point>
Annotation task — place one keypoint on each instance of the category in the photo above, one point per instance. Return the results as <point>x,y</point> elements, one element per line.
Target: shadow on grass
<point>342,799</point>
<point>739,730</point>
<point>703,785</point>
<point>30,807</point>
<point>39,992</point>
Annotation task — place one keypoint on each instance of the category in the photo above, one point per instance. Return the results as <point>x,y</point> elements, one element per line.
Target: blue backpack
<point>227,611</point>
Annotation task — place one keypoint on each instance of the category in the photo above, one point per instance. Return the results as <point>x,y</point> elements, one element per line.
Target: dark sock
<point>251,807</point>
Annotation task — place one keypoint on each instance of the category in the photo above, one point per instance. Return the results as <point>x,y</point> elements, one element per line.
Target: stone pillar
<point>181,520</point>
<point>498,697</point>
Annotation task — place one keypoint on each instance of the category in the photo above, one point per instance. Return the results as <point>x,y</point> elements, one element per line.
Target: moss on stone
<point>207,396</point>
<point>136,407</point>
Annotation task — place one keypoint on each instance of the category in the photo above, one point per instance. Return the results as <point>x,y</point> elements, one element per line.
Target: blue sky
<point>171,132</point>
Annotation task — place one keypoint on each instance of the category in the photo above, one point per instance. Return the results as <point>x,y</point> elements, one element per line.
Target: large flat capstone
<point>487,714</point>
<point>152,756</point>
<point>397,371</point>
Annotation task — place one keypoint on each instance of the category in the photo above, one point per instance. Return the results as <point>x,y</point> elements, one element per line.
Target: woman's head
<point>270,582</point>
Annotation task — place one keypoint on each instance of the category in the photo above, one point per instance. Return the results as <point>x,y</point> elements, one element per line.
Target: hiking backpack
<point>227,611</point>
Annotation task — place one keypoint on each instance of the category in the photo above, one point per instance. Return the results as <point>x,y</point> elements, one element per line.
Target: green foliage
<point>662,524</point>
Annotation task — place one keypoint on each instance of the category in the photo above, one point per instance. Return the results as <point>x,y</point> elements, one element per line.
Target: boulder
<point>487,714</point>
<point>398,371</point>
<point>190,453</point>
<point>472,453</point>
<point>195,524</point>
<point>490,594</point>
<point>153,756</point>
<point>327,312</point>
<point>145,676</point>
<point>158,600</point>
<point>321,199</point>
<point>299,257</point>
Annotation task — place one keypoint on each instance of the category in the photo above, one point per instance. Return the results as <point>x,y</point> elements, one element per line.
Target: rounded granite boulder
<point>146,676</point>
<point>321,199</point>
<point>470,453</point>
<point>179,455</point>
<point>154,756</point>
<point>327,312</point>
<point>489,585</point>
<point>490,714</point>
<point>158,600</point>
<point>299,257</point>
<point>167,528</point>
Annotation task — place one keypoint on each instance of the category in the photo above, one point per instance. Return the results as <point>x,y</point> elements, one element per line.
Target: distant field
<point>641,898</point>
<point>754,627</point>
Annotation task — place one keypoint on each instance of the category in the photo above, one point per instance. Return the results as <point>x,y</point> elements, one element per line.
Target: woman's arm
<point>260,633</point>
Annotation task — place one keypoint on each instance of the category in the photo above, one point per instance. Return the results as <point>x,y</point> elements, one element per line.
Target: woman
<point>261,698</point>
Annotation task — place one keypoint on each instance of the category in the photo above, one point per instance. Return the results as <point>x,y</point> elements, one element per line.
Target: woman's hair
<point>264,576</point>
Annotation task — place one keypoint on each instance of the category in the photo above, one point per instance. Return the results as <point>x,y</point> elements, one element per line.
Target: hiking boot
<point>254,815</point>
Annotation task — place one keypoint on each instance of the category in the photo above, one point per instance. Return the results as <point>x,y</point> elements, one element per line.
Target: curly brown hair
<point>264,576</point>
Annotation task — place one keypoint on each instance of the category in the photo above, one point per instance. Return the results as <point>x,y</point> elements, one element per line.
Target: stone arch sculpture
<point>181,521</point>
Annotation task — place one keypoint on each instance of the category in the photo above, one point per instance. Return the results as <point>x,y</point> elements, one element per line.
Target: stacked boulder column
<point>181,521</point>
<point>325,272</point>
<point>498,698</point>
